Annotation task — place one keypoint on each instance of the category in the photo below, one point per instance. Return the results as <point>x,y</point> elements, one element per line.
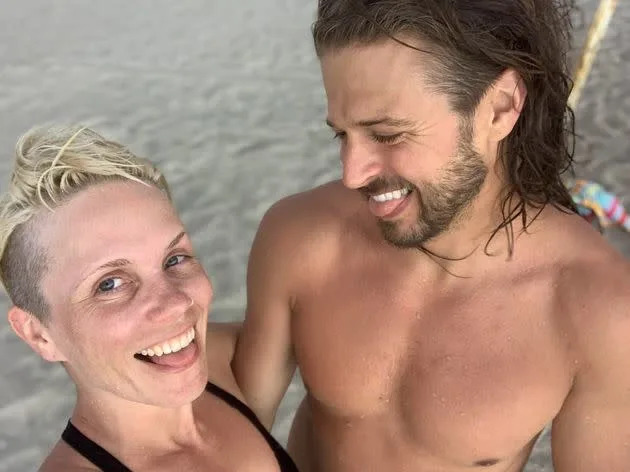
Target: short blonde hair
<point>51,165</point>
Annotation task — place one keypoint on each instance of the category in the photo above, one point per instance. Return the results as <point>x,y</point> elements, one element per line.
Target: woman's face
<point>122,280</point>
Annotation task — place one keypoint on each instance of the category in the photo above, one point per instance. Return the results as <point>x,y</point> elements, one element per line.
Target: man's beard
<point>441,204</point>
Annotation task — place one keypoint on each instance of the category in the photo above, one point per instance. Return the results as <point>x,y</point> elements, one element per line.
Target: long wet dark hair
<point>471,42</point>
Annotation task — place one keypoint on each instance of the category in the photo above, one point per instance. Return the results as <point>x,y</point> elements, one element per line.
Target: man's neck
<point>474,234</point>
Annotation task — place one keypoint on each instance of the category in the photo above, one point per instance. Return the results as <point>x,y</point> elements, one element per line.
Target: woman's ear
<point>33,332</point>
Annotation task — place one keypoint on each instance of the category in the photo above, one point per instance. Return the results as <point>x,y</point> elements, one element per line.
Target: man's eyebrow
<point>386,120</point>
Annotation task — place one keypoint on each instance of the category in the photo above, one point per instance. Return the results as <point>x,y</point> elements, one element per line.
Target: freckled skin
<point>104,312</point>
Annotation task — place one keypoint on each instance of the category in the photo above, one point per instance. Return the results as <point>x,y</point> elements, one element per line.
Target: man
<point>444,302</point>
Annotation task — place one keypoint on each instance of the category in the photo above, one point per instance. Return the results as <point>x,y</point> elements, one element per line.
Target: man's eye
<point>109,285</point>
<point>175,260</point>
<point>339,135</point>
<point>386,139</point>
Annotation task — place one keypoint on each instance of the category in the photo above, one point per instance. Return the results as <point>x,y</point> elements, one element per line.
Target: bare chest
<point>461,375</point>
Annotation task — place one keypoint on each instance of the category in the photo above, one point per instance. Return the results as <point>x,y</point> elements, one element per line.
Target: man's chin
<point>400,236</point>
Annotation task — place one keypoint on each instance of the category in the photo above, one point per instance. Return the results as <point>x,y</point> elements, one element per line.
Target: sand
<point>227,98</point>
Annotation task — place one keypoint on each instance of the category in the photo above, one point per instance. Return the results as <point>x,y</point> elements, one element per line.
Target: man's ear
<point>507,99</point>
<point>34,333</point>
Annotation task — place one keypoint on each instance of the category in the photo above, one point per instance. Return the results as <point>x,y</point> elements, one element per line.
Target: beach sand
<point>226,97</point>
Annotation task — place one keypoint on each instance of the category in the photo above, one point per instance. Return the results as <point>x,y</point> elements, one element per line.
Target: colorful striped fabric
<point>598,205</point>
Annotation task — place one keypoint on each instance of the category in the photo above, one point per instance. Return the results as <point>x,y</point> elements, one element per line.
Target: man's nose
<point>361,164</point>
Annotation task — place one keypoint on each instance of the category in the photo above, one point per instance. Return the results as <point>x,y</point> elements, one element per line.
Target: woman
<point>103,279</point>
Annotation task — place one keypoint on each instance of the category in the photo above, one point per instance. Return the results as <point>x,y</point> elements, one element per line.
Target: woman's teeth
<point>172,345</point>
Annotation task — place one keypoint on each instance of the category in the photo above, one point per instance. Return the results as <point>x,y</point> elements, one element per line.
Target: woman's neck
<point>129,429</point>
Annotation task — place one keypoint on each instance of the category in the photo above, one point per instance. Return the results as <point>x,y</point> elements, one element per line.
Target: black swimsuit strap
<point>283,458</point>
<point>92,451</point>
<point>108,463</point>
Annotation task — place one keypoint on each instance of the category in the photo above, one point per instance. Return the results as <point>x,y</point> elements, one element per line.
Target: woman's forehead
<point>112,221</point>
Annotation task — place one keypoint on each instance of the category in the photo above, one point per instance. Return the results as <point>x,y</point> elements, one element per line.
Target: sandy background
<point>226,97</point>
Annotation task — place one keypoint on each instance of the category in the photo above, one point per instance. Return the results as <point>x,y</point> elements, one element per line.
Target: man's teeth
<point>172,345</point>
<point>395,195</point>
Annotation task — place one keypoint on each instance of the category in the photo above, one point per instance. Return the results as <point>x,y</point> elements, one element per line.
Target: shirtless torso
<point>410,368</point>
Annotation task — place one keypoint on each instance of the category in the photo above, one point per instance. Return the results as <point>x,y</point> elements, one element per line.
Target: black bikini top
<point>108,463</point>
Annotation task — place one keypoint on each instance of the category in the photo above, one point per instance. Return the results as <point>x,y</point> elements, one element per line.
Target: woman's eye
<point>109,285</point>
<point>175,260</point>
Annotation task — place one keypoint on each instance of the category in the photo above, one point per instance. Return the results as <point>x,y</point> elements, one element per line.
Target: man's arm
<point>263,363</point>
<point>592,431</point>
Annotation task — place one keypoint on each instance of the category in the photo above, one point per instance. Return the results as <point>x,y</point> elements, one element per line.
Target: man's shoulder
<point>303,235</point>
<point>584,264</point>
<point>585,276</point>
<point>590,269</point>
<point>327,201</point>
<point>598,282</point>
<point>315,216</point>
<point>594,293</point>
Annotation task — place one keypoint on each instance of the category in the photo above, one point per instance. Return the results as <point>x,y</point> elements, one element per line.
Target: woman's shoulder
<point>220,346</point>
<point>221,342</point>
<point>63,458</point>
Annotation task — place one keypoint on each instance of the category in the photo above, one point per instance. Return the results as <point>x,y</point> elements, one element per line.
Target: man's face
<point>122,279</point>
<point>402,146</point>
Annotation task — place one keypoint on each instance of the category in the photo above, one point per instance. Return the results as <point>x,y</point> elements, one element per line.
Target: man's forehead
<point>364,87</point>
<point>384,57</point>
<point>394,104</point>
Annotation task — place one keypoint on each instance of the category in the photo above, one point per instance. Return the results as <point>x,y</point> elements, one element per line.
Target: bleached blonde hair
<point>51,165</point>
